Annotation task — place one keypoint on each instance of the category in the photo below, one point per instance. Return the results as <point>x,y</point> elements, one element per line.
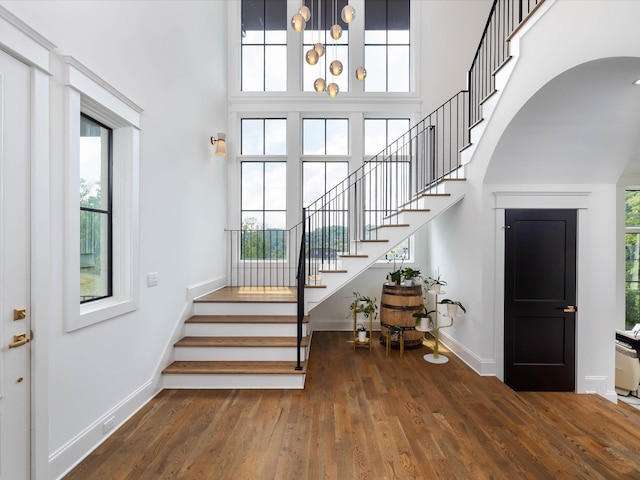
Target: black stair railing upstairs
<point>493,50</point>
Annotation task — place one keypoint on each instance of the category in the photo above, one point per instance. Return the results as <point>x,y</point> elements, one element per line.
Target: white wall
<point>450,34</point>
<point>170,59</point>
<point>472,241</point>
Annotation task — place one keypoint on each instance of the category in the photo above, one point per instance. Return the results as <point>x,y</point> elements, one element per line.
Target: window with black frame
<point>387,46</point>
<point>264,46</point>
<point>95,210</point>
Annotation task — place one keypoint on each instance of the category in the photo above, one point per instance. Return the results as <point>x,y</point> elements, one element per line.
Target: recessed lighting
<point>637,82</point>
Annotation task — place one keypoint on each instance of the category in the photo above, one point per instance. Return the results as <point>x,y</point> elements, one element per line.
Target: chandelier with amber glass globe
<point>313,55</point>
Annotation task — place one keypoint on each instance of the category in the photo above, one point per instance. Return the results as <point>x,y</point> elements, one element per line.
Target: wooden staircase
<point>240,338</point>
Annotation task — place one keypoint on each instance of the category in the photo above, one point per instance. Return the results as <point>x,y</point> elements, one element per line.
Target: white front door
<point>15,350</point>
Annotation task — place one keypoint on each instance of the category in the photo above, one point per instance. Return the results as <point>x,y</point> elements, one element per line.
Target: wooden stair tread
<point>261,341</point>
<point>374,241</point>
<point>347,255</point>
<point>245,319</point>
<point>333,271</point>
<point>204,367</point>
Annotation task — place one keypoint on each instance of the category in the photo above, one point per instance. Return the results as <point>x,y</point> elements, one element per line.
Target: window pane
<point>632,198</point>
<point>94,164</point>
<point>94,255</point>
<point>396,128</point>
<point>252,136</point>
<point>398,37</point>
<point>632,291</point>
<point>337,137</point>
<point>275,68</point>
<point>252,220</point>
<point>275,220</point>
<point>312,181</point>
<point>275,136</point>
<point>336,173</point>
<point>275,179</point>
<point>375,62</point>
<point>375,136</point>
<point>252,68</point>
<point>372,37</point>
<point>252,185</point>
<point>313,136</point>
<point>398,68</point>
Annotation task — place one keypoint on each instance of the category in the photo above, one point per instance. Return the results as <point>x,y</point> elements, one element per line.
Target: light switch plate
<point>152,279</point>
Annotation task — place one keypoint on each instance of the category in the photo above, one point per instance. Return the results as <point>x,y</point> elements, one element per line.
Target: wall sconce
<point>221,147</point>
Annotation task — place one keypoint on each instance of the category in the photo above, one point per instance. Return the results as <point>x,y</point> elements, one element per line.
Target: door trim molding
<point>31,48</point>
<point>535,199</point>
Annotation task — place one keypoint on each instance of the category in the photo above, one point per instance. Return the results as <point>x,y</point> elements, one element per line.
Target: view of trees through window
<point>95,210</point>
<point>632,260</point>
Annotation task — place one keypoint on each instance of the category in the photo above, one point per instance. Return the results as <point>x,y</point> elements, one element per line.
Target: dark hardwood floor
<point>366,416</point>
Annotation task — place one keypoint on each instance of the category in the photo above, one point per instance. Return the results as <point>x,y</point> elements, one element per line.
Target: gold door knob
<point>19,340</point>
<point>570,309</point>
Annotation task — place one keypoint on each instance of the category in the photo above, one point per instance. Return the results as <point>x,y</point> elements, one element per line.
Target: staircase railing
<point>351,213</point>
<point>493,50</point>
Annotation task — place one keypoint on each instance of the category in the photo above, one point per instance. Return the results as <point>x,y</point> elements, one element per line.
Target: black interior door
<point>540,295</point>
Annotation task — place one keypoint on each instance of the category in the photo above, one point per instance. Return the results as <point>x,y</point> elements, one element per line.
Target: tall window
<point>632,247</point>
<point>95,210</point>
<point>263,188</point>
<point>323,16</point>
<point>264,45</point>
<point>386,50</point>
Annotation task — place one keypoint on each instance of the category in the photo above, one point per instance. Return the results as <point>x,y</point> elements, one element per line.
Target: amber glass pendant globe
<point>298,23</point>
<point>312,56</point>
<point>335,68</point>
<point>336,31</point>
<point>348,14</point>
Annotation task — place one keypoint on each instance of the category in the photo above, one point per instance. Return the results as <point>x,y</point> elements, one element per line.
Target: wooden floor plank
<point>365,415</point>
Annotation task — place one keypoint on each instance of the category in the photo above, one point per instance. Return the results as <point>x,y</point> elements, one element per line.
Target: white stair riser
<point>229,354</point>
<point>229,381</point>
<point>244,330</point>
<point>204,308</point>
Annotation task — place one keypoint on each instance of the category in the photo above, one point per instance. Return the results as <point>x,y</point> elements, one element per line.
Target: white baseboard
<point>482,366</point>
<point>198,289</point>
<point>597,384</point>
<point>78,448</point>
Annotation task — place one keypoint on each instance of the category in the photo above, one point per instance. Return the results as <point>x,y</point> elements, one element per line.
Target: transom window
<point>387,46</point>
<point>264,45</point>
<point>95,210</point>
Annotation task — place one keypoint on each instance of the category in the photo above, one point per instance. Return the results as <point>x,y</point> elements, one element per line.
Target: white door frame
<point>24,43</point>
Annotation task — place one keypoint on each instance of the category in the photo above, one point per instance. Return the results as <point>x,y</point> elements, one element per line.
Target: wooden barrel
<point>397,306</point>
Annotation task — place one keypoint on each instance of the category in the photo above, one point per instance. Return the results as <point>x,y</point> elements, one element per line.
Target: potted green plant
<point>452,306</point>
<point>395,277</point>
<point>362,333</point>
<point>365,304</point>
<point>423,319</point>
<point>435,283</point>
<point>410,276</point>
